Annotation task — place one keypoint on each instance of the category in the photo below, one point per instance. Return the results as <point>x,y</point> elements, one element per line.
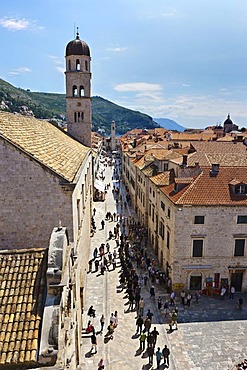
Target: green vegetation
<point>53,106</point>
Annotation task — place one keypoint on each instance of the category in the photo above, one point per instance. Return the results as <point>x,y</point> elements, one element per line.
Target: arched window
<point>75,91</point>
<point>75,117</point>
<point>86,65</point>
<point>81,91</point>
<point>69,65</point>
<point>78,66</point>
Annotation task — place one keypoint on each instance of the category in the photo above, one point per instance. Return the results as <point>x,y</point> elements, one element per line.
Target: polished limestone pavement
<point>211,335</point>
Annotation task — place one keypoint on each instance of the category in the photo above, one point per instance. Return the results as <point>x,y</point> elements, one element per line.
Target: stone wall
<point>32,201</point>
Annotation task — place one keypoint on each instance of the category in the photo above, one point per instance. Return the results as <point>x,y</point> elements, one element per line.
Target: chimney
<point>184,163</point>
<point>214,169</point>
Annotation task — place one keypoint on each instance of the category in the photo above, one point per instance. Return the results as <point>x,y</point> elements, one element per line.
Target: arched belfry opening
<point>78,90</point>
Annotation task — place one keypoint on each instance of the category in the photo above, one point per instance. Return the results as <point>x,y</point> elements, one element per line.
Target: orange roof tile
<point>22,283</point>
<point>210,190</point>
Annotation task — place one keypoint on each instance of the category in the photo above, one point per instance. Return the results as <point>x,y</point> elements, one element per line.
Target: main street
<point>211,335</point>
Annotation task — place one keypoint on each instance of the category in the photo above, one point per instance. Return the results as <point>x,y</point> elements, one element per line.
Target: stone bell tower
<point>78,90</point>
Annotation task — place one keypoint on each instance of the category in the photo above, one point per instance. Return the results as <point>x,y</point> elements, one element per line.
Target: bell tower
<point>78,90</point>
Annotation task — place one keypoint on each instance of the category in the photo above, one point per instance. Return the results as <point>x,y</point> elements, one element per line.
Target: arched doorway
<point>195,281</point>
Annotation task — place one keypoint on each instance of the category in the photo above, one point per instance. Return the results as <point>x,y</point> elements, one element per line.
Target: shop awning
<point>99,185</point>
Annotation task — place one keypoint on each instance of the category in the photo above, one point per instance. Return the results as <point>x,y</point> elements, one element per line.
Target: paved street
<point>210,335</point>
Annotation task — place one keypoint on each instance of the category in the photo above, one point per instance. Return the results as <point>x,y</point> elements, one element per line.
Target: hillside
<point>169,124</point>
<point>53,106</point>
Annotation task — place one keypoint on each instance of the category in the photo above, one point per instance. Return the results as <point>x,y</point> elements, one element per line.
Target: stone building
<point>194,206</point>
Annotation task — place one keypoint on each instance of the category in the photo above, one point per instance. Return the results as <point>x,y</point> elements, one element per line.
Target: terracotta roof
<point>161,179</point>
<point>44,142</point>
<point>210,190</point>
<point>22,283</point>
<point>214,147</point>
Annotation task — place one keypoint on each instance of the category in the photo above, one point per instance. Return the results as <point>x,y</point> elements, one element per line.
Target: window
<point>241,189</point>
<point>197,248</point>
<point>149,209</point>
<point>162,205</point>
<point>168,213</point>
<point>239,247</point>
<point>199,220</point>
<point>86,65</point>
<point>78,67</point>
<point>162,230</point>
<point>69,65</point>
<point>153,194</point>
<point>75,92</point>
<point>81,91</point>
<point>167,239</point>
<point>165,166</point>
<point>242,220</point>
<point>150,190</point>
<point>153,213</point>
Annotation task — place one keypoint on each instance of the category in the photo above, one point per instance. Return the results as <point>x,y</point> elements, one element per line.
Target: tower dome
<point>77,47</point>
<point>228,121</point>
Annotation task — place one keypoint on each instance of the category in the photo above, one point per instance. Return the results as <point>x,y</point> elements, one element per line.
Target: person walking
<point>182,295</point>
<point>166,354</point>
<point>142,339</point>
<point>154,334</point>
<point>222,292</point>
<point>158,357</point>
<point>102,224</point>
<point>152,292</point>
<point>147,324</point>
<point>139,324</point>
<point>96,264</point>
<point>189,297</point>
<point>172,298</point>
<point>101,365</point>
<point>141,307</point>
<point>232,292</point>
<point>94,343</point>
<point>149,314</point>
<point>102,323</point>
<point>150,352</point>
<point>159,303</point>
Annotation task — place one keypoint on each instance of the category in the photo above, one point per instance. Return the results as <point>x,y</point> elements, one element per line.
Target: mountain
<point>53,107</point>
<point>169,124</point>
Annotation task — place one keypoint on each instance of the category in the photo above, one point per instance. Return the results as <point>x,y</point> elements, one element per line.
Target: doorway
<point>195,282</point>
<point>236,281</point>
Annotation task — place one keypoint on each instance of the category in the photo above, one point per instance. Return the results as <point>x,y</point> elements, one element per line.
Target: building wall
<point>219,231</point>
<point>32,201</point>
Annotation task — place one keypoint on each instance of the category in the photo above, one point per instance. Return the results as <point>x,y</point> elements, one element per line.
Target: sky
<point>176,59</point>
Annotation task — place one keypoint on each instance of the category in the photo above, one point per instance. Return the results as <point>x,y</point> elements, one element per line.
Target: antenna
<point>74,29</point>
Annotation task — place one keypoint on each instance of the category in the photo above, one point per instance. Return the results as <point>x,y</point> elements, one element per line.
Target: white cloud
<point>185,85</point>
<point>137,86</point>
<point>19,71</point>
<point>117,49</point>
<point>15,24</point>
<point>59,64</point>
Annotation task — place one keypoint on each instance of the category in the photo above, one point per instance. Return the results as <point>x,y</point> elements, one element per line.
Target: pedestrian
<point>116,318</point>
<point>114,263</point>
<point>150,352</point>
<point>102,323</point>
<point>152,292</point>
<point>96,264</point>
<point>139,323</point>
<point>240,303</point>
<point>90,264</point>
<point>223,292</point>
<point>158,357</point>
<point>91,311</point>
<point>150,314</point>
<point>94,343</point>
<point>166,307</point>
<point>197,295</point>
<point>159,303</point>
<point>107,247</point>
<point>174,317</point>
<point>142,339</point>
<point>172,298</point>
<point>102,224</point>
<point>94,211</point>
<point>166,354</point>
<point>141,306</point>
<point>145,280</point>
<point>101,365</point>
<point>155,334</point>
<point>232,292</point>
<point>188,298</point>
<point>182,295</point>
<point>147,324</point>
<point>95,252</point>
